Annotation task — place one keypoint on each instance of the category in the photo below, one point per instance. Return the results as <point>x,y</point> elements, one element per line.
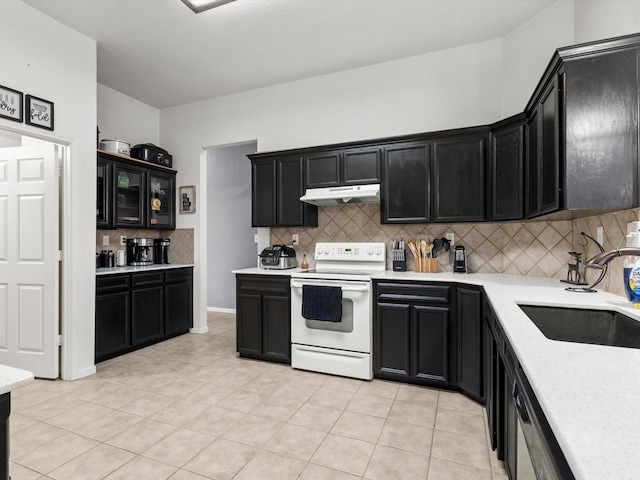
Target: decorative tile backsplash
<point>534,248</point>
<point>180,250</point>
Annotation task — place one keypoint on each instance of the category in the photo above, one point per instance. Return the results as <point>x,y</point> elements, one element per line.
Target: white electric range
<point>342,344</point>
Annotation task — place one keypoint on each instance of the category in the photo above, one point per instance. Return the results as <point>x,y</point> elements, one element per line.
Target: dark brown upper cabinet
<point>507,169</point>
<point>134,194</point>
<point>544,162</point>
<point>277,185</point>
<point>601,131</point>
<point>356,166</point>
<point>582,130</point>
<point>459,178</point>
<point>406,191</point>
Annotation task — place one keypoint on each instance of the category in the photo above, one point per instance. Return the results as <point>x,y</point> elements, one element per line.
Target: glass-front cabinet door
<point>129,195</point>
<point>161,197</point>
<point>104,209</point>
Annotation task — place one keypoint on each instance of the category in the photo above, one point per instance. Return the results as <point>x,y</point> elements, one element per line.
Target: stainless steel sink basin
<point>599,327</point>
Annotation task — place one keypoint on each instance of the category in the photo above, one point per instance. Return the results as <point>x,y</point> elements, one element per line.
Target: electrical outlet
<point>295,239</point>
<point>633,234</point>
<point>123,240</point>
<point>600,235</point>
<point>105,240</point>
<point>255,238</point>
<point>451,237</point>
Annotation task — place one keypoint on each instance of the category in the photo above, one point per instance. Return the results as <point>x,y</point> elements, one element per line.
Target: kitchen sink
<point>599,327</point>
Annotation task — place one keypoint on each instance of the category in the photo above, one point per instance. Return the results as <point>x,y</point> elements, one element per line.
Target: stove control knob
<point>370,251</point>
<point>379,251</point>
<point>326,250</point>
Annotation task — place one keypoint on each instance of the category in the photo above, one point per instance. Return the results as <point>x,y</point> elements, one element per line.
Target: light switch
<point>105,240</point>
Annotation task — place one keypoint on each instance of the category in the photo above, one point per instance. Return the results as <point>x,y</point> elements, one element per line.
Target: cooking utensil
<point>423,248</point>
<point>412,247</point>
<point>437,246</point>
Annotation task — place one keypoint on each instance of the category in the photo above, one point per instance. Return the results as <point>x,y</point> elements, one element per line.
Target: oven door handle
<point>328,283</point>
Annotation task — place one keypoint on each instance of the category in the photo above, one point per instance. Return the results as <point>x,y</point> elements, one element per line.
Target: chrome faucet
<point>601,259</point>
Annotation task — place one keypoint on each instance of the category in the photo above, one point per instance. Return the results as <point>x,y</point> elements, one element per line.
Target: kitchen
<point>186,130</point>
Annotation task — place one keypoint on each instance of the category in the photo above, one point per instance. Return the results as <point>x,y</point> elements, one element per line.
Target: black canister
<point>161,250</point>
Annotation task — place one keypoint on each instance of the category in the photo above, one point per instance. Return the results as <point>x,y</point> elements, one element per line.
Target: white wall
<point>453,88</point>
<point>230,244</point>
<point>597,19</point>
<point>124,118</point>
<point>44,58</point>
<point>528,50</point>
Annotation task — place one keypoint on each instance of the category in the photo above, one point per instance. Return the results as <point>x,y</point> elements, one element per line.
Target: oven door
<point>352,333</point>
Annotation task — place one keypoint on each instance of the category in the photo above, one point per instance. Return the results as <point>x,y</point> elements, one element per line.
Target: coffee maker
<point>139,251</point>
<point>161,250</point>
<point>459,259</point>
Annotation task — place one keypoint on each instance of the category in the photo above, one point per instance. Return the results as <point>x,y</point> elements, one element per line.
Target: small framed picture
<point>39,112</point>
<point>11,104</point>
<point>188,199</point>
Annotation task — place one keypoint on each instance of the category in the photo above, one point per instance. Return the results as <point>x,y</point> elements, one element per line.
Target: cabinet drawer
<point>178,275</point>
<point>264,284</point>
<point>147,278</point>
<point>414,292</point>
<point>110,283</point>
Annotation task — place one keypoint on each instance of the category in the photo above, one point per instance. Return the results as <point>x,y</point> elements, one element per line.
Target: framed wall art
<point>11,104</point>
<point>39,112</point>
<point>188,199</point>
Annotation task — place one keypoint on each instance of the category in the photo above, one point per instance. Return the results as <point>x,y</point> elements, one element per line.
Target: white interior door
<point>29,243</point>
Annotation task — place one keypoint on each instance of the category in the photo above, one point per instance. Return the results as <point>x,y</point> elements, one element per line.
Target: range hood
<point>342,195</point>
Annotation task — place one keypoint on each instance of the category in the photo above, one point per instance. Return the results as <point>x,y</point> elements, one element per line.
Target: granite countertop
<point>11,378</point>
<point>590,394</point>
<point>143,268</point>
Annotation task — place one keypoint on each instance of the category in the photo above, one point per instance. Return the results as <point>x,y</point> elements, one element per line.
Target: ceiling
<point>161,53</point>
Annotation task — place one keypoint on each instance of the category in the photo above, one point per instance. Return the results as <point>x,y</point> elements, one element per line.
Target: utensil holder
<point>425,265</point>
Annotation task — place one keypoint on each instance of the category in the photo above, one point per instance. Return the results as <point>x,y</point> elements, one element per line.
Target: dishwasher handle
<point>518,401</point>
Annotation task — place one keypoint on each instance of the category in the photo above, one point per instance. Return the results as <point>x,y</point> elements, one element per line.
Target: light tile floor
<point>189,409</point>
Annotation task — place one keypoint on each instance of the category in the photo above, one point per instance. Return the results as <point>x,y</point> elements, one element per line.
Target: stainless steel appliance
<point>459,259</point>
<point>277,257</point>
<point>538,455</point>
<point>139,251</point>
<point>331,309</point>
<point>161,250</point>
<point>115,146</point>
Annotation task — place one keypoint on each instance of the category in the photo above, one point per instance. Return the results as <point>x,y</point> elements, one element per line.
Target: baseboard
<point>85,372</point>
<point>199,330</point>
<point>221,310</point>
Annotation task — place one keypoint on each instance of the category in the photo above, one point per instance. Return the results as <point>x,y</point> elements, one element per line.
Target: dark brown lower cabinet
<point>147,307</point>
<point>263,317</point>
<point>412,333</point>
<point>134,310</point>
<point>113,315</point>
<point>429,334</point>
<point>469,336</point>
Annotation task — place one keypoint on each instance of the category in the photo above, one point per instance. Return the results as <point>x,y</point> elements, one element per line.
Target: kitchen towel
<point>322,303</point>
